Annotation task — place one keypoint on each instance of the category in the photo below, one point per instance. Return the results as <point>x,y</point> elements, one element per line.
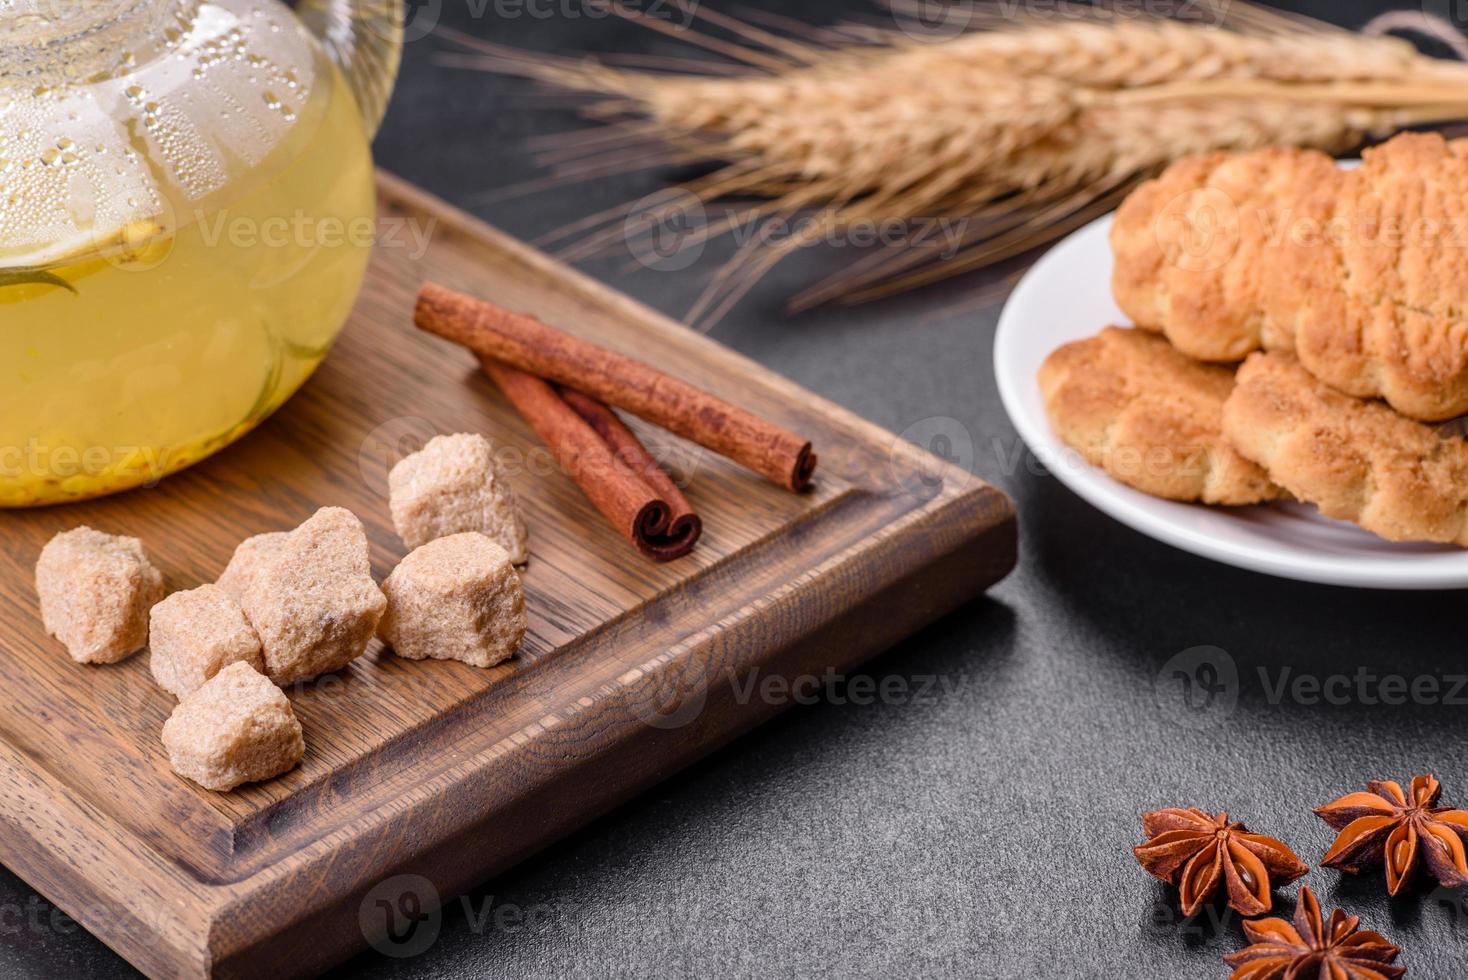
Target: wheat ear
<point>1017,131</point>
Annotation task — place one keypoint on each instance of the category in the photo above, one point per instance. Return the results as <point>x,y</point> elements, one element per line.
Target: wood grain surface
<point>440,769</point>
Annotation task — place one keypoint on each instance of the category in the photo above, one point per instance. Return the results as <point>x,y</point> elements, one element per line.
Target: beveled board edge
<point>299,914</point>
<point>470,829</point>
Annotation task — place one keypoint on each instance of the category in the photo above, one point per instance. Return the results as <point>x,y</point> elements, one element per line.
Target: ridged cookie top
<point>1362,273</point>
<point>1356,460</point>
<point>1190,247</point>
<point>1371,285</point>
<point>1149,416</point>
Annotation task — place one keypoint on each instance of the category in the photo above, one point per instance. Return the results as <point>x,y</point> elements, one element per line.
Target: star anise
<point>1281,951</point>
<point>1386,826</point>
<point>1199,853</point>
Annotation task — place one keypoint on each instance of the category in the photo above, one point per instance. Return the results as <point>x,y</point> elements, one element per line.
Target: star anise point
<point>1394,827</point>
<point>1203,855</point>
<point>1311,947</point>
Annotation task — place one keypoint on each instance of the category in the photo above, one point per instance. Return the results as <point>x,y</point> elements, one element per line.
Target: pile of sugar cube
<point>294,605</point>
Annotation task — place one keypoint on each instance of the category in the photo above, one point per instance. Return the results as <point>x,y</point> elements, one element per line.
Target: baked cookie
<point>1190,246</point>
<point>1149,416</point>
<point>1370,288</point>
<point>1362,273</point>
<point>1356,460</point>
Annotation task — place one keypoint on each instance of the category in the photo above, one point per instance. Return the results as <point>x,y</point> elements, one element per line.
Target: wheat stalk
<point>1020,130</point>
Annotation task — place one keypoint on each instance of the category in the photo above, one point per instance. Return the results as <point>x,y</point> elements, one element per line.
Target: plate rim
<point>1101,491</point>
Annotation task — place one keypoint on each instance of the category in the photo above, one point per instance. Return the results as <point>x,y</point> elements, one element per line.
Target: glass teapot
<point>186,213</point>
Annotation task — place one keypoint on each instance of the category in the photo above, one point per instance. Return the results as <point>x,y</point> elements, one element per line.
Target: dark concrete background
<point>978,824</point>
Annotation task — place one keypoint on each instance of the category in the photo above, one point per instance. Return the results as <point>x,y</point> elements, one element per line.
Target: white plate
<point>1067,296</point>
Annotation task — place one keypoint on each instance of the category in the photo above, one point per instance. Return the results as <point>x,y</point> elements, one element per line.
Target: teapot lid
<point>117,115</point>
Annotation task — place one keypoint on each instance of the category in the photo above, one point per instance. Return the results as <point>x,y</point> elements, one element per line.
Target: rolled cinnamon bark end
<point>663,538</point>
<point>682,527</point>
<point>805,468</point>
<point>525,343</point>
<point>657,527</point>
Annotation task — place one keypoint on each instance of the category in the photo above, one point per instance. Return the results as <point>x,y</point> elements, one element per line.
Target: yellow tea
<point>156,343</point>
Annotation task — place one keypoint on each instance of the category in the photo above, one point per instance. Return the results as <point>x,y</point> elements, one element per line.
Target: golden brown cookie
<point>1371,286</point>
<point>1362,273</point>
<point>1190,247</point>
<point>1356,460</point>
<point>1149,416</point>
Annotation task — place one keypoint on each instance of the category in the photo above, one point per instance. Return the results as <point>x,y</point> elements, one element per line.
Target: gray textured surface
<point>978,825</point>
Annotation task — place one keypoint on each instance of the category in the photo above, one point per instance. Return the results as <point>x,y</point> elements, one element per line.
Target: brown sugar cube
<point>196,634</point>
<point>450,486</point>
<point>237,728</point>
<point>314,604</point>
<point>96,590</point>
<point>251,555</point>
<point>457,598</point>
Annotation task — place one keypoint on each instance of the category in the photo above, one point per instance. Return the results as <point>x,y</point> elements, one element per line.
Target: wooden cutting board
<point>630,671</point>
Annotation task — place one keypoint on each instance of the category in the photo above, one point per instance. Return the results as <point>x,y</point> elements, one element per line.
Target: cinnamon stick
<point>525,343</point>
<point>682,521</point>
<point>660,525</point>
